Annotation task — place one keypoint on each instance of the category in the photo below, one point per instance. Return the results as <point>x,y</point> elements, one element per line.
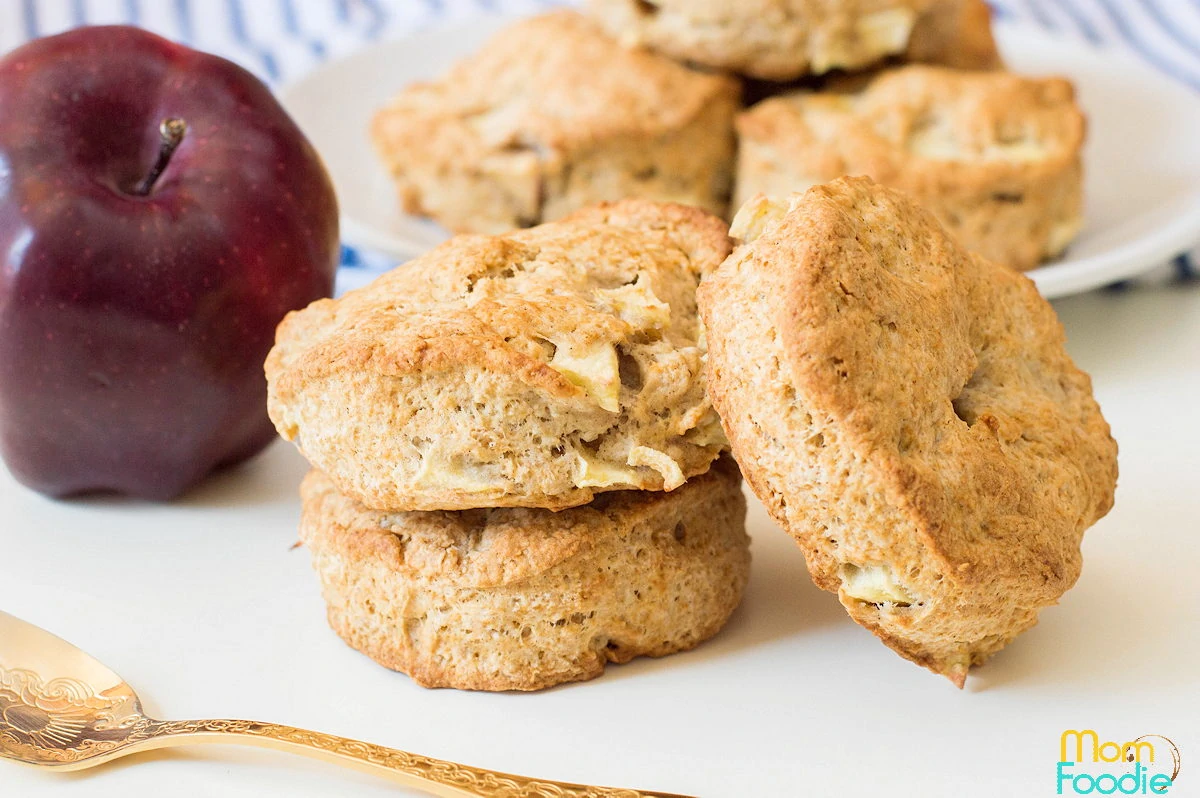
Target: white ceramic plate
<point>1142,160</point>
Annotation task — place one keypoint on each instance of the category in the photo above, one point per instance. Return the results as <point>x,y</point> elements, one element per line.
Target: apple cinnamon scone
<point>907,412</point>
<point>523,599</point>
<point>551,115</point>
<point>531,369</point>
<point>788,39</point>
<point>995,156</point>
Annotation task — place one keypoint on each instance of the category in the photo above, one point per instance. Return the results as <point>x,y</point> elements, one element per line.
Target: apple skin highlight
<point>133,327</point>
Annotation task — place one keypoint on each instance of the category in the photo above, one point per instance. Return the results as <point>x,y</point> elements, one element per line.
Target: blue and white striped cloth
<point>280,40</point>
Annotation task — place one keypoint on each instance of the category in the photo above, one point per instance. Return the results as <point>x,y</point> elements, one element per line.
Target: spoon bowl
<point>59,707</point>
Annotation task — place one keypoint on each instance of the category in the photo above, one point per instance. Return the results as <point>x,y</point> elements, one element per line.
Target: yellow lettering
<point>1114,756</point>
<point>1079,736</point>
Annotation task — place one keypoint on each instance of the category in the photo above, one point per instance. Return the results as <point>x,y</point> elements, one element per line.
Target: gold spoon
<point>62,709</point>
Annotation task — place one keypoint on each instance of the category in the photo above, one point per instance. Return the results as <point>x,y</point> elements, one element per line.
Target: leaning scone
<point>995,156</point>
<point>551,115</point>
<point>521,599</point>
<point>532,369</point>
<point>907,412</point>
<point>788,39</point>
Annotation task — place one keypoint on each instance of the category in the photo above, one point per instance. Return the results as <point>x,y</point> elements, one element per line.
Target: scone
<point>521,599</point>
<point>788,39</point>
<point>907,412</point>
<point>995,156</point>
<point>532,369</point>
<point>552,115</point>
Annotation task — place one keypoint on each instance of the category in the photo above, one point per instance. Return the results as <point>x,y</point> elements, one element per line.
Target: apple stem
<point>172,131</point>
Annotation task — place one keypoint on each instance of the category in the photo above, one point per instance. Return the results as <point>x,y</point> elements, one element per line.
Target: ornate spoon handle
<point>434,776</point>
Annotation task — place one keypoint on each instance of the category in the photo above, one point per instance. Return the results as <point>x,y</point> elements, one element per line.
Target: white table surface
<point>205,610</point>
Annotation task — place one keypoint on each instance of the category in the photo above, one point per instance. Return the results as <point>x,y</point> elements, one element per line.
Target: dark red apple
<point>141,282</point>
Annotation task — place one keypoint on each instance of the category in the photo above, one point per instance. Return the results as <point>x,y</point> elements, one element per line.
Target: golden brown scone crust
<point>995,156</point>
<point>955,33</point>
<point>768,39</point>
<point>908,413</point>
<point>521,599</point>
<point>532,369</point>
<point>551,115</point>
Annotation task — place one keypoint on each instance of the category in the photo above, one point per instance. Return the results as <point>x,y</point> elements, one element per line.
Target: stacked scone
<point>641,99</point>
<point>518,475</point>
